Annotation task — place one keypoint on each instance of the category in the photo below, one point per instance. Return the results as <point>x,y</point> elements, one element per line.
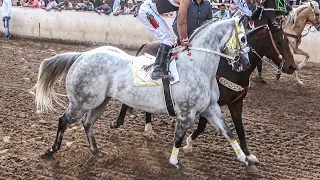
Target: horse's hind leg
<point>214,116</point>
<point>297,78</point>
<point>70,116</point>
<point>120,120</point>
<point>92,116</point>
<point>259,68</point>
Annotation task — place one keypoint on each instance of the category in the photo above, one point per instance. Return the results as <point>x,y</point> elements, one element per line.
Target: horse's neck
<point>297,27</point>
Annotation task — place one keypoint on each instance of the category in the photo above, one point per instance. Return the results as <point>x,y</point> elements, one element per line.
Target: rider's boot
<point>160,63</point>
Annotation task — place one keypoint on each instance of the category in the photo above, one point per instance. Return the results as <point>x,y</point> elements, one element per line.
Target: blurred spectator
<point>66,5</point>
<point>252,5</point>
<point>215,9</point>
<point>31,3</point>
<point>136,7</point>
<point>116,4</point>
<point>105,9</point>
<point>199,11</point>
<point>97,3</point>
<point>222,13</point>
<point>122,9</point>
<point>85,6</point>
<point>51,4</point>
<point>233,8</point>
<point>6,16</point>
<point>42,3</point>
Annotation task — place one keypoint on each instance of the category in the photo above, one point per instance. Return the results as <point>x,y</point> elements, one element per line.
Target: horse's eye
<point>243,39</point>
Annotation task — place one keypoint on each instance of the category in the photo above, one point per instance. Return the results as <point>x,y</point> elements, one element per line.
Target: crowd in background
<point>224,10</point>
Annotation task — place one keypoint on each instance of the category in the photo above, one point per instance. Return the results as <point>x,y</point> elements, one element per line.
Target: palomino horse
<point>293,27</point>
<point>273,44</point>
<point>96,76</point>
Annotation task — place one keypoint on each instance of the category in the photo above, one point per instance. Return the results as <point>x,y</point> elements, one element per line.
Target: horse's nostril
<point>293,67</point>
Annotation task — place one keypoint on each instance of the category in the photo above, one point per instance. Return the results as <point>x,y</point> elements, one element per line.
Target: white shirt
<point>6,8</point>
<point>243,7</point>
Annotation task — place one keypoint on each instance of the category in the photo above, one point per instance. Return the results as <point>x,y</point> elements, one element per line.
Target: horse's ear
<point>311,4</point>
<point>270,25</point>
<point>240,20</point>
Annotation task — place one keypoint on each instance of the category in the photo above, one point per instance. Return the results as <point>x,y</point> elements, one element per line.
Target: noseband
<point>278,52</point>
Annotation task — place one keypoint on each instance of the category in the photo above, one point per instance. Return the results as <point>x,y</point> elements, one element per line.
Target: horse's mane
<point>204,25</point>
<point>293,16</point>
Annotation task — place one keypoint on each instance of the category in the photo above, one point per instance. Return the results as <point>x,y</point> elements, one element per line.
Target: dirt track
<point>281,121</point>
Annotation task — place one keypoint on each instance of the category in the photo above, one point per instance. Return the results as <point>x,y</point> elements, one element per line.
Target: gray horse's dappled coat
<point>100,74</point>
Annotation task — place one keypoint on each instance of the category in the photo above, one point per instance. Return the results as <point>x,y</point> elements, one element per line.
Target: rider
<point>244,9</point>
<point>149,14</point>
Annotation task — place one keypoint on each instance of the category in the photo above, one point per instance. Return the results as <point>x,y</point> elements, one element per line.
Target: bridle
<point>280,67</point>
<point>229,58</point>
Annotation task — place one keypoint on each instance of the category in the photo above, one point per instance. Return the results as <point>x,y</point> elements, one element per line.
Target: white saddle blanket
<point>142,68</point>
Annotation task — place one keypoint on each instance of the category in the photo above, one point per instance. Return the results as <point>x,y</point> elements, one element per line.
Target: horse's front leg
<point>214,116</point>
<point>148,132</point>
<point>302,52</point>
<point>201,127</point>
<point>183,123</point>
<point>236,114</point>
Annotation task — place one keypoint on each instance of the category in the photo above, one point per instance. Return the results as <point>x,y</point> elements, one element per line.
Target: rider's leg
<point>149,16</point>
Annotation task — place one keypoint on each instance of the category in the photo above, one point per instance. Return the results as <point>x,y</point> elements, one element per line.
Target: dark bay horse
<point>273,42</point>
<point>275,11</point>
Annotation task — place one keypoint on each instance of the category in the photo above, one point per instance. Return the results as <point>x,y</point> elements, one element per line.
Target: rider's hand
<point>184,42</point>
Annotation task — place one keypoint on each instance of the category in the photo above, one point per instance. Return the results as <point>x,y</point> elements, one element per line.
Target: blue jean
<point>6,26</point>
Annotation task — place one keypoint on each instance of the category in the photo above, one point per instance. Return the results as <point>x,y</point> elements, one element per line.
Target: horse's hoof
<point>261,81</point>
<point>278,76</point>
<point>300,83</point>
<point>252,170</point>
<point>178,165</point>
<point>150,134</point>
<point>48,154</point>
<point>98,153</point>
<point>253,160</point>
<point>187,149</point>
<point>132,116</point>
<point>114,125</point>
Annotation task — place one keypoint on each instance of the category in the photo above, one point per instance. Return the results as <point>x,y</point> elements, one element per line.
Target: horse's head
<point>279,52</point>
<point>237,47</point>
<point>314,17</point>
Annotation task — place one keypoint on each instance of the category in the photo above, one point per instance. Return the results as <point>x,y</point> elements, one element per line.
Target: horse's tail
<point>50,70</point>
<point>143,45</point>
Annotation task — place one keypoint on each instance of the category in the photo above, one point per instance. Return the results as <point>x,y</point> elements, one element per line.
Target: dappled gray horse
<point>96,76</point>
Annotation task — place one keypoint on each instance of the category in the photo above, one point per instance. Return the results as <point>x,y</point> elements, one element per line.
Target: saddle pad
<point>142,67</point>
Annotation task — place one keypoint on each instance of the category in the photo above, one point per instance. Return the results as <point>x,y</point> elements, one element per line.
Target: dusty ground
<point>281,121</point>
